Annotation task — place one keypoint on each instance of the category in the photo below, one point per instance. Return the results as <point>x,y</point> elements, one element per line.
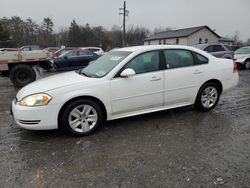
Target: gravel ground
<point>173,148</point>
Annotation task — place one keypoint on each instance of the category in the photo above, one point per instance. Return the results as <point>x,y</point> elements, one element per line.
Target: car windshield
<point>200,46</point>
<point>68,53</point>
<point>243,51</point>
<point>103,65</point>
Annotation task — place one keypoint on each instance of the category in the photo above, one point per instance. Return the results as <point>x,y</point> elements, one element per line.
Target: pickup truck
<point>20,66</point>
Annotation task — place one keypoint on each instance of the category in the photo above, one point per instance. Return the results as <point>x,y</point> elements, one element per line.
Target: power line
<point>124,12</point>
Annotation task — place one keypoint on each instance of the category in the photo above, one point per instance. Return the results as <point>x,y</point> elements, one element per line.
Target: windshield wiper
<point>88,75</point>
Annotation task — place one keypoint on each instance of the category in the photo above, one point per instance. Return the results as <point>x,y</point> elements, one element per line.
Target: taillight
<point>235,67</point>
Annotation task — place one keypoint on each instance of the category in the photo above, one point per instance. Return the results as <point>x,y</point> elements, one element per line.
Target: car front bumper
<point>35,118</point>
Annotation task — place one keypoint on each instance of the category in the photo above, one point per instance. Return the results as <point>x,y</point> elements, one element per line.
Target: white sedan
<point>125,82</point>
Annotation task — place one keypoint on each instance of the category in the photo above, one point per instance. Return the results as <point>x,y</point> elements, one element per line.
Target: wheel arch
<point>215,81</point>
<point>95,99</point>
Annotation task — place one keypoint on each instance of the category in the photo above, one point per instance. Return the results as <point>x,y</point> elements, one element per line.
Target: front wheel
<point>207,97</point>
<point>82,117</point>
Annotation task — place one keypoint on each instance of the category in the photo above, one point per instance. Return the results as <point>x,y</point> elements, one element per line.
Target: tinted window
<point>209,49</point>
<point>178,58</point>
<point>83,53</point>
<point>200,59</point>
<point>218,48</point>
<point>71,54</point>
<point>146,62</point>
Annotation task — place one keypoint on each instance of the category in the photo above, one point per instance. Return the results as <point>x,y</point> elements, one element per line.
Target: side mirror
<point>127,72</point>
<point>65,57</point>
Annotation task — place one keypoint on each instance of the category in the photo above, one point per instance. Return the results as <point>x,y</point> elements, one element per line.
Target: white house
<point>188,36</point>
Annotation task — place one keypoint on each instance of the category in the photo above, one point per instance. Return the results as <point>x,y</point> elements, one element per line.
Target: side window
<point>209,49</point>
<point>218,48</point>
<point>72,54</point>
<point>200,59</point>
<point>146,62</point>
<point>178,58</point>
<point>84,53</point>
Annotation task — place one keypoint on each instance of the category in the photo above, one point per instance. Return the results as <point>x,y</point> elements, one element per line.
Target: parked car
<point>96,50</point>
<point>122,83</point>
<point>30,48</point>
<point>62,50</point>
<point>217,50</point>
<point>242,57</point>
<point>73,59</point>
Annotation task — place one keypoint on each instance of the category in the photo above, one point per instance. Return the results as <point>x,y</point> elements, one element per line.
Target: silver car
<point>217,50</point>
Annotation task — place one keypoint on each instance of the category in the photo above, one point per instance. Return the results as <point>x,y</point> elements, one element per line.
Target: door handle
<point>155,79</point>
<point>198,72</point>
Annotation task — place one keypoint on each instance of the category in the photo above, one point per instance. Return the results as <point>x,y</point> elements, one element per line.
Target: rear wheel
<point>247,64</point>
<point>207,97</point>
<point>82,117</point>
<point>22,74</point>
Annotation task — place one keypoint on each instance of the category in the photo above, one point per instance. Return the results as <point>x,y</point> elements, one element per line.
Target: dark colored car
<point>73,59</point>
<point>217,50</point>
<point>63,50</point>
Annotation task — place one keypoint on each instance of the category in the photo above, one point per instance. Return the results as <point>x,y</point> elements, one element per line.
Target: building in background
<point>188,36</point>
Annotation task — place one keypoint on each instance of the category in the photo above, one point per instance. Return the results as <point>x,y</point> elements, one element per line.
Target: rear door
<point>182,77</point>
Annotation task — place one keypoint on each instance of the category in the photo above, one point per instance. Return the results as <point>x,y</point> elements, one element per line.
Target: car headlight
<point>36,100</point>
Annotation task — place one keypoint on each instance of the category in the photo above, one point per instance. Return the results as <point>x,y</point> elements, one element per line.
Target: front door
<point>141,91</point>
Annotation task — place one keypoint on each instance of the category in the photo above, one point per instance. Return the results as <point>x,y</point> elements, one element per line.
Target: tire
<point>76,117</point>
<point>22,74</point>
<point>247,64</point>
<point>207,97</point>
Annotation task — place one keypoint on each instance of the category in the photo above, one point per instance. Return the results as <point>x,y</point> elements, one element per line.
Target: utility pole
<point>124,12</point>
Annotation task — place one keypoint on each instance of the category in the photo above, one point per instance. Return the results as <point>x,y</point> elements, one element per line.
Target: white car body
<point>124,97</point>
<point>241,58</point>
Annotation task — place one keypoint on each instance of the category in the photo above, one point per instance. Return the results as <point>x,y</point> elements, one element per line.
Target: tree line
<point>16,32</point>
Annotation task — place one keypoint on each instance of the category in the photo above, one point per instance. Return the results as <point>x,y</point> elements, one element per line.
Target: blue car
<point>73,59</point>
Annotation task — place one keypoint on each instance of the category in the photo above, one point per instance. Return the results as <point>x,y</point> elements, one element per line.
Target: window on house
<point>206,40</point>
<point>148,42</point>
<point>159,41</point>
<point>177,41</point>
<point>200,40</point>
<point>164,41</point>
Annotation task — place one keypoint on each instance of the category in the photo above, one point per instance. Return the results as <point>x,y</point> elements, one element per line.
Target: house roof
<point>179,33</point>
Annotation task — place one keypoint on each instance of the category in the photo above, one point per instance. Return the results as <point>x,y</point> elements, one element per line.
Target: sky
<point>226,17</point>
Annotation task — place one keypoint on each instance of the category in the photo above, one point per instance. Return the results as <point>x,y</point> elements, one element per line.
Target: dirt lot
<point>173,148</point>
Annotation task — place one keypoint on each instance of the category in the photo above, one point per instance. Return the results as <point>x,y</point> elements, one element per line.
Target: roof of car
<point>153,47</point>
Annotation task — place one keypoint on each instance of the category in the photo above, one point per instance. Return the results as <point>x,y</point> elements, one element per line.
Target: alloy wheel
<point>209,97</point>
<point>83,118</point>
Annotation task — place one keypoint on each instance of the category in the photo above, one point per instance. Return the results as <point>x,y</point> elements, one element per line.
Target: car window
<point>71,54</point>
<point>146,62</point>
<point>83,53</point>
<point>210,49</point>
<point>200,59</point>
<point>178,58</point>
<point>218,48</point>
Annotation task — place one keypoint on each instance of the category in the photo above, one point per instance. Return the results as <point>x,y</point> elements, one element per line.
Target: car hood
<point>51,83</point>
